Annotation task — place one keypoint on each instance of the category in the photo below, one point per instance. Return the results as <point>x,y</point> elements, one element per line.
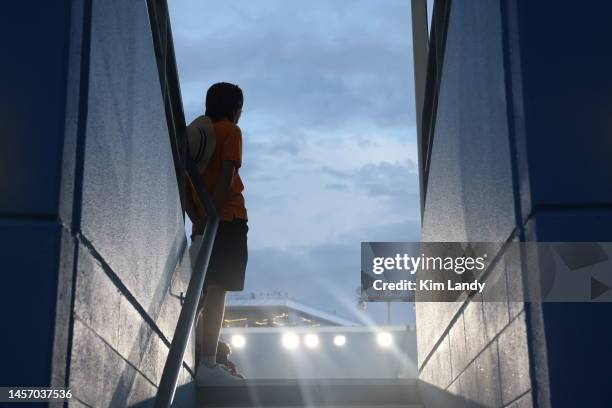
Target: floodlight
<point>339,340</point>
<point>238,341</point>
<point>384,339</point>
<point>311,340</point>
<point>290,340</point>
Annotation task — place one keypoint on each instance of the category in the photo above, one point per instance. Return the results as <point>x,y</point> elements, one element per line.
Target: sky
<point>329,138</point>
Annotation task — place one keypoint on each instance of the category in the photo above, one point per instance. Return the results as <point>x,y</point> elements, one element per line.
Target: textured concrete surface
<point>470,197</point>
<point>29,290</point>
<point>458,347</point>
<point>514,360</point>
<point>93,362</point>
<point>525,401</point>
<point>475,334</point>
<point>91,228</point>
<point>131,209</point>
<point>515,157</point>
<point>495,312</point>
<point>567,84</point>
<point>132,263</point>
<point>33,103</point>
<point>487,376</point>
<point>469,192</point>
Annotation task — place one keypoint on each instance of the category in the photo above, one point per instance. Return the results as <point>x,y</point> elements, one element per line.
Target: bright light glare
<point>238,341</point>
<point>311,340</point>
<point>290,340</point>
<point>384,339</point>
<point>339,340</point>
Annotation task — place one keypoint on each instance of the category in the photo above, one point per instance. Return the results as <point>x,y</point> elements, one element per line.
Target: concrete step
<point>387,393</point>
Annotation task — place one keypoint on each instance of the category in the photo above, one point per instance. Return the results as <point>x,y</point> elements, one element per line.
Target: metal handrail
<point>184,167</point>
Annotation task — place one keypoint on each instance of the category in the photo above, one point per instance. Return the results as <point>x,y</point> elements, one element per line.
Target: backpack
<point>201,141</point>
<point>201,144</point>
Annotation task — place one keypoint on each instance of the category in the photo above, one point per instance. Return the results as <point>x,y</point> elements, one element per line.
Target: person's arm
<point>224,184</point>
<point>231,156</point>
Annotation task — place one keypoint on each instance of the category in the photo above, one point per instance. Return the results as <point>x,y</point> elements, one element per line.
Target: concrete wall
<point>518,154</point>
<point>91,225</point>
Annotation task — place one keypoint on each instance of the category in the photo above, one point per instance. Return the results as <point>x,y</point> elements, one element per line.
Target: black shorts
<point>229,256</point>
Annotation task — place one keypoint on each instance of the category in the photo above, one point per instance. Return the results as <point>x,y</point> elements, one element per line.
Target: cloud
<point>337,186</point>
<point>320,67</point>
<point>394,183</point>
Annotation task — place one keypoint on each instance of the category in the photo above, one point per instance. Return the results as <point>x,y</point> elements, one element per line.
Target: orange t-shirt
<point>228,146</point>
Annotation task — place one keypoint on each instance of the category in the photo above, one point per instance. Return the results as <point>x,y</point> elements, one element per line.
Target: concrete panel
<point>171,306</point>
<point>63,310</point>
<point>576,337</point>
<point>526,401</point>
<point>475,335</point>
<point>454,388</point>
<point>100,305</point>
<point>142,393</point>
<point>137,340</point>
<point>430,318</point>
<point>131,210</point>
<point>30,254</point>
<point>74,403</point>
<point>487,377</point>
<point>495,302</point>
<point>442,364</point>
<point>87,365</point>
<point>580,224</point>
<point>514,280</point>
<point>514,360</point>
<point>469,192</point>
<point>563,172</point>
<point>468,384</point>
<point>97,299</point>
<point>567,97</point>
<point>100,376</point>
<point>458,347</point>
<point>32,103</point>
<point>162,355</point>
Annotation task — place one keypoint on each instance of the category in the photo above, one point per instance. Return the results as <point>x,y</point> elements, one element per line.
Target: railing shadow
<point>435,397</point>
<point>185,397</point>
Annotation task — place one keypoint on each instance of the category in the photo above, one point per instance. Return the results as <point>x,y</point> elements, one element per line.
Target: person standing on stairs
<point>227,266</point>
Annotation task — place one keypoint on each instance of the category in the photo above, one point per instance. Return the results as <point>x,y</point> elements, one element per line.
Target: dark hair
<point>223,100</point>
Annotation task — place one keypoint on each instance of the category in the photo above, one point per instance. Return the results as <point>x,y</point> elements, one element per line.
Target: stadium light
<point>290,341</point>
<point>311,340</point>
<point>339,340</point>
<point>384,339</point>
<point>238,341</point>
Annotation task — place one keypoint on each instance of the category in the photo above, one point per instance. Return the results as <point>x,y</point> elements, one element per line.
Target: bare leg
<point>209,323</point>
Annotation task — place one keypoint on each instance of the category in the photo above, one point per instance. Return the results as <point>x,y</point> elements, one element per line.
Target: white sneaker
<point>217,375</point>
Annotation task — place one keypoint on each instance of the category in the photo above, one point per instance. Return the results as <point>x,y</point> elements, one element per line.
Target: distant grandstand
<point>275,309</point>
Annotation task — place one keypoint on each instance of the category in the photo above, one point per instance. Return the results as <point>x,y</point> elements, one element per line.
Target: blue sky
<point>329,133</point>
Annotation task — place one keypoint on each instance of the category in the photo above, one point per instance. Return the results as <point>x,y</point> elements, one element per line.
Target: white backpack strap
<point>201,141</point>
